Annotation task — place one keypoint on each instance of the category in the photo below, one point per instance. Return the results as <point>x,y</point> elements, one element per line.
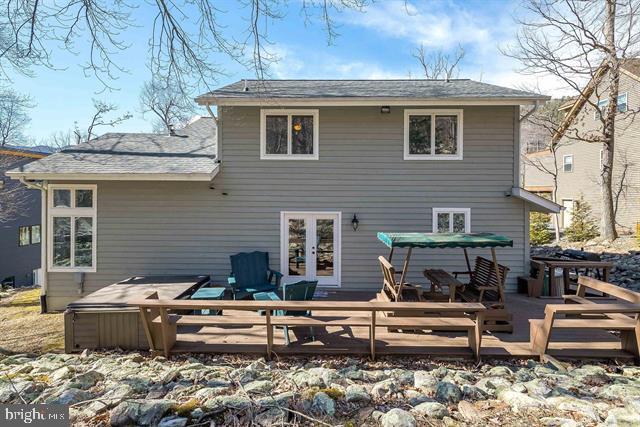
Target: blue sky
<point>375,44</point>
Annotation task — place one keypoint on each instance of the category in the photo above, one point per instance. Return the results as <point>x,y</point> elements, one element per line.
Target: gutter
<point>44,285</point>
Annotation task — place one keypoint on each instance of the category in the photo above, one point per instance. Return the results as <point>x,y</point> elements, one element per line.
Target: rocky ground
<point>134,389</point>
<point>624,253</point>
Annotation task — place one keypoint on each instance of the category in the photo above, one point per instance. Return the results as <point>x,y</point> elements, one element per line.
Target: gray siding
<point>584,180</point>
<point>15,260</point>
<point>160,227</point>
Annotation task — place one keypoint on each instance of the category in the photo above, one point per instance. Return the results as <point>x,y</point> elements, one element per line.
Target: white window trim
<point>433,113</point>
<point>604,102</point>
<point>71,212</point>
<point>289,112</point>
<point>451,211</point>
<point>564,163</point>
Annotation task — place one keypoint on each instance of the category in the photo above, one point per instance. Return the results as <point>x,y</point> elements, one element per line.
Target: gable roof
<point>328,91</point>
<point>629,67</point>
<point>190,154</point>
<point>31,152</point>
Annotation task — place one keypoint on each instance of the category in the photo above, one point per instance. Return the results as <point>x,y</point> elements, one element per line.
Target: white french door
<point>310,247</point>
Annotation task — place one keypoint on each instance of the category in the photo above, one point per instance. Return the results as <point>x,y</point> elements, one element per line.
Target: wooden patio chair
<point>394,289</point>
<point>485,287</point>
<point>250,273</point>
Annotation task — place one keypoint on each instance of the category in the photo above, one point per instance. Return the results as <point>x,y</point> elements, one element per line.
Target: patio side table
<point>441,279</point>
<point>209,294</point>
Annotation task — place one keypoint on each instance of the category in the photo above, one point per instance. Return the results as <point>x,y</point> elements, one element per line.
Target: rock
<point>432,410</point>
<point>69,396</point>
<point>619,392</point>
<point>86,380</point>
<point>493,385</point>
<point>471,392</point>
<point>414,397</point>
<point>323,404</point>
<point>9,391</point>
<point>304,379</point>
<point>209,393</point>
<point>425,382</point>
<point>377,415</point>
<point>558,422</point>
<point>448,392</point>
<point>520,401</point>
<point>403,376</point>
<point>357,394</point>
<point>62,374</point>
<point>464,377</point>
<point>173,422</point>
<point>539,387</point>
<point>469,412</point>
<point>622,417</point>
<point>139,412</point>
<point>235,401</point>
<point>500,371</point>
<point>572,404</point>
<point>397,418</point>
<point>384,388</point>
<point>110,399</point>
<point>271,417</point>
<point>631,371</point>
<point>258,387</point>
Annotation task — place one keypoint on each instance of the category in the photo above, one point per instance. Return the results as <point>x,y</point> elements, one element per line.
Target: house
<point>579,163</point>
<point>20,232</point>
<point>307,170</point>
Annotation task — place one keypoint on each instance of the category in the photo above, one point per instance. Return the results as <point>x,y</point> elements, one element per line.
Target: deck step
<point>607,324</point>
<point>320,321</point>
<point>440,323</point>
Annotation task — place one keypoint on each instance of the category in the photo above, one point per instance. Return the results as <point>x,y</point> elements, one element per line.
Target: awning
<point>537,203</point>
<point>444,240</point>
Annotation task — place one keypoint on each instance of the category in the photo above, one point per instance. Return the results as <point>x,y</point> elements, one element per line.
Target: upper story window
<point>72,228</point>
<point>28,235</point>
<point>289,134</point>
<point>567,163</point>
<point>622,105</point>
<point>451,220</point>
<point>433,134</point>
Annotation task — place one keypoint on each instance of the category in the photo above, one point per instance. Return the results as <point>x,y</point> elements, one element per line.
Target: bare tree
<point>545,122</point>
<point>583,43</point>
<point>439,65</point>
<point>13,116</point>
<point>187,40</point>
<point>103,116</point>
<point>169,105</point>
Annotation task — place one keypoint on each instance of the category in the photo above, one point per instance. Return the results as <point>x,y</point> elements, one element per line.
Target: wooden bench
<point>161,318</point>
<point>579,312</point>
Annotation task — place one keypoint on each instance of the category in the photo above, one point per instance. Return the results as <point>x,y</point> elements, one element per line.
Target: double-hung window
<point>72,228</point>
<point>28,235</point>
<point>567,163</point>
<point>451,220</point>
<point>433,134</point>
<point>289,134</point>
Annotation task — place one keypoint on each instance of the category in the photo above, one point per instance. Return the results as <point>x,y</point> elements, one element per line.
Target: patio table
<point>442,279</point>
<point>566,266</point>
<point>209,294</point>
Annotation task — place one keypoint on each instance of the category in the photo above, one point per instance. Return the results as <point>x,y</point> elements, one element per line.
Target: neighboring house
<point>579,163</point>
<point>20,236</point>
<point>289,166</point>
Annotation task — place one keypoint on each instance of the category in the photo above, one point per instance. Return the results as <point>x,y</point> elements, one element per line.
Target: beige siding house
<point>287,165</point>
<point>578,162</point>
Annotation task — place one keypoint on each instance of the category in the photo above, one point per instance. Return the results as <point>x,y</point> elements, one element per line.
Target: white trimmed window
<point>567,163</point>
<point>72,228</point>
<point>451,220</point>
<point>289,134</point>
<point>433,134</point>
<point>622,105</point>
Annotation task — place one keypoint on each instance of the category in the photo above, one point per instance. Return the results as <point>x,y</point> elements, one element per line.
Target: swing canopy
<point>444,240</point>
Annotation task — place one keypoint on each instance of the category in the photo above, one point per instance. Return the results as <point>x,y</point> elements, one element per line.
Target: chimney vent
<point>172,130</point>
<point>246,86</point>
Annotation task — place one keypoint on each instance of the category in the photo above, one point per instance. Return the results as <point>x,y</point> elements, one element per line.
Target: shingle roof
<point>373,89</point>
<point>191,151</point>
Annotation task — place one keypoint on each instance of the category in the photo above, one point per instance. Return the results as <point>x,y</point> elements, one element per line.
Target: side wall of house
<point>19,261</point>
<point>584,180</point>
<point>173,228</point>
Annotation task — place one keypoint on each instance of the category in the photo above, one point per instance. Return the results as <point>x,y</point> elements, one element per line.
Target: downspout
<point>218,129</point>
<point>43,238</point>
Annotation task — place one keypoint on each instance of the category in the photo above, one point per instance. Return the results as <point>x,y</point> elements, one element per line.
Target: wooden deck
<point>355,340</point>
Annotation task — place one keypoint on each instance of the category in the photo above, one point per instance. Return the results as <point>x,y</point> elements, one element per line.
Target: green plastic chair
<point>250,274</point>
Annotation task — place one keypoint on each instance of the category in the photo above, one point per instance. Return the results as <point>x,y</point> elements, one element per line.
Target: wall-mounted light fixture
<point>385,109</point>
<point>355,222</point>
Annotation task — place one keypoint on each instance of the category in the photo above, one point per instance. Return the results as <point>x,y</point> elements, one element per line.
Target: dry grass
<point>24,329</point>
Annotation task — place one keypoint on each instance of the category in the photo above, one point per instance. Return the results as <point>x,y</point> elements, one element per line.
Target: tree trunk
<point>608,224</point>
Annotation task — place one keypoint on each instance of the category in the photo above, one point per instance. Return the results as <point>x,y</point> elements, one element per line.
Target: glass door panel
<point>324,247</point>
<point>297,247</point>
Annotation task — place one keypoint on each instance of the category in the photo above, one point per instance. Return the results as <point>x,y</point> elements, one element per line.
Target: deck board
<point>354,340</point>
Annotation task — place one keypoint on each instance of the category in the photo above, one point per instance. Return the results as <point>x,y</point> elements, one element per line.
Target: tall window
<point>567,163</point>
<point>451,220</point>
<point>72,222</point>
<point>433,134</point>
<point>289,134</point>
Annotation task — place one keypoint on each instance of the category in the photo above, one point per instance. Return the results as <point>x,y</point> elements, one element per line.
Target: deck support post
<point>269,334</point>
<point>372,335</point>
<point>164,325</point>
